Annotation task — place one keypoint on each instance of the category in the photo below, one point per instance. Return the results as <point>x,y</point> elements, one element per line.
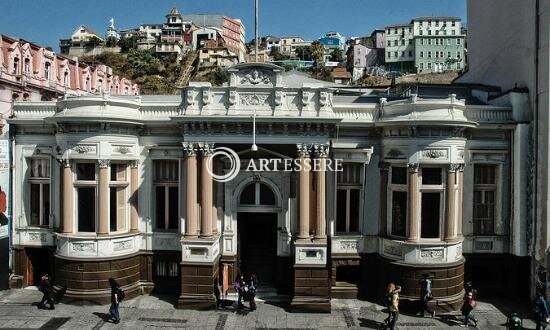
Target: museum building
<point>126,187</point>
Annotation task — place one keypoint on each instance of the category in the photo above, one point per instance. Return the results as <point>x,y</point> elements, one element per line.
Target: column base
<point>311,289</point>
<point>199,286</point>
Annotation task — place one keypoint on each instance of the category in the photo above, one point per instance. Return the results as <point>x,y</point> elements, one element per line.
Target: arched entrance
<point>257,233</point>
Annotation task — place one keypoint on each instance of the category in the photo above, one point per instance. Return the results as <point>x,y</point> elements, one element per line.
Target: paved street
<point>149,312</point>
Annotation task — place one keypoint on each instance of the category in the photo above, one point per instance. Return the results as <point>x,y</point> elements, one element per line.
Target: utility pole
<point>256,30</point>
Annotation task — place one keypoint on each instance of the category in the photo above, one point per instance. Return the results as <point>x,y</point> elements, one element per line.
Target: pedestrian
<point>425,295</point>
<point>392,297</point>
<point>540,310</point>
<point>252,287</point>
<point>47,291</point>
<point>467,309</point>
<point>239,288</point>
<point>115,300</point>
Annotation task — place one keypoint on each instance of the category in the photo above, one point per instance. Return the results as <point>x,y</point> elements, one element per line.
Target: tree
<point>336,55</point>
<point>93,42</point>
<point>277,55</point>
<point>317,51</point>
<point>111,42</point>
<point>127,44</point>
<point>303,53</point>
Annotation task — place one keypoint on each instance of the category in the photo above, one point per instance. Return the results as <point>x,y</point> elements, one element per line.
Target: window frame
<point>433,188</point>
<point>120,184</point>
<point>40,181</point>
<point>348,187</point>
<point>85,184</point>
<point>485,188</point>
<point>396,187</point>
<point>167,185</point>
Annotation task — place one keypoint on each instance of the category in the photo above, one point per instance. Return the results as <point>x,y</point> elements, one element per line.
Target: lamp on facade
<point>254,146</point>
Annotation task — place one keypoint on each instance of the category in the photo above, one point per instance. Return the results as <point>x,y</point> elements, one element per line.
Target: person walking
<point>392,296</point>
<point>540,310</point>
<point>47,292</point>
<point>239,288</point>
<point>252,287</point>
<point>467,309</point>
<point>115,300</point>
<point>425,295</point>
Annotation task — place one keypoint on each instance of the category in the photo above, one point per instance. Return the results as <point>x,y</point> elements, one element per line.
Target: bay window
<point>86,187</point>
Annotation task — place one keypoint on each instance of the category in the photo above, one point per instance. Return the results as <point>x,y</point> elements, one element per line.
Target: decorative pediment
<point>256,75</point>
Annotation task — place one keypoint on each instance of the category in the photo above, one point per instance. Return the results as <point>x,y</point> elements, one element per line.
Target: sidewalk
<point>153,312</point>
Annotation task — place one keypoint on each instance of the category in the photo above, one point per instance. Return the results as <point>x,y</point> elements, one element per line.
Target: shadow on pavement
<point>103,316</point>
<point>370,324</point>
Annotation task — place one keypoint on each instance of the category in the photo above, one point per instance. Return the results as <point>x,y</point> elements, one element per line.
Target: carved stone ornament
<point>306,97</point>
<point>103,163</point>
<point>436,254</point>
<point>433,154</point>
<point>190,96</point>
<point>394,153</point>
<point>254,99</point>
<point>393,249</point>
<point>454,167</point>
<point>321,150</point>
<point>37,237</point>
<point>325,99</point>
<point>232,100</point>
<point>206,148</point>
<point>279,98</point>
<point>206,96</point>
<point>255,77</point>
<point>83,247</point>
<point>84,149</point>
<point>189,148</point>
<point>348,245</point>
<point>123,245</point>
<point>122,149</point>
<point>303,150</point>
<point>134,163</point>
<point>413,167</point>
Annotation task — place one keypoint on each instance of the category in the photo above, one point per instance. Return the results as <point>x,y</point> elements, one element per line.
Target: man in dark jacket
<point>541,310</point>
<point>47,291</point>
<point>425,296</point>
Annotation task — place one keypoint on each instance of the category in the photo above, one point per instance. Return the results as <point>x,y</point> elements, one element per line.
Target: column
<point>304,186</point>
<point>214,199</point>
<point>384,170</point>
<point>413,214</point>
<point>191,226</point>
<point>103,193</point>
<point>460,179</point>
<point>134,181</point>
<point>67,211</point>
<point>206,190</point>
<point>451,202</point>
<point>321,219</point>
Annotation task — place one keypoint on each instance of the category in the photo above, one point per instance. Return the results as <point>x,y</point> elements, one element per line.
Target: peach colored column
<point>103,192</point>
<point>304,186</point>
<point>413,218</point>
<point>384,169</point>
<point>460,175</point>
<point>68,221</point>
<point>191,225</point>
<point>206,191</point>
<point>321,219</point>
<point>134,181</point>
<point>214,198</point>
<point>451,203</point>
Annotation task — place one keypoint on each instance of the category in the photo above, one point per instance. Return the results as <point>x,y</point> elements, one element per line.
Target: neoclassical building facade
<point>128,187</point>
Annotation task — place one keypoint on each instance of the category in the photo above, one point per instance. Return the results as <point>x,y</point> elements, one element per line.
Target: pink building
<point>29,72</point>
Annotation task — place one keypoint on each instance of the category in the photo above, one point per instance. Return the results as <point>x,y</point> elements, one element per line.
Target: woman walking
<point>467,309</point>
<point>392,296</point>
<point>239,288</point>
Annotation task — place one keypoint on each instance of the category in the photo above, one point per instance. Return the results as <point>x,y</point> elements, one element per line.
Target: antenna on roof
<point>256,30</point>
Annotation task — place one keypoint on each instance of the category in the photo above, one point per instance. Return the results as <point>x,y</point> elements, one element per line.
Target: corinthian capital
<point>103,163</point>
<point>189,148</point>
<point>206,149</point>
<point>413,167</point>
<point>303,150</point>
<point>321,150</point>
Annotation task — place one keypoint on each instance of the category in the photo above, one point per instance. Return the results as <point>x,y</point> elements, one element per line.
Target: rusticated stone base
<point>311,289</point>
<point>199,285</point>
<point>87,281</point>
<point>447,283</point>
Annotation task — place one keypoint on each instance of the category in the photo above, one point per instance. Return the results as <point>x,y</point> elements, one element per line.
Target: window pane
<point>173,208</point>
<point>166,170</point>
<point>160,212</point>
<point>341,210</point>
<point>431,175</point>
<point>40,168</point>
<point>354,205</point>
<point>35,205</point>
<point>248,195</point>
<point>85,171</point>
<point>86,209</point>
<point>399,175</point>
<point>45,204</point>
<point>121,208</point>
<point>118,172</point>
<point>350,174</point>
<point>266,195</point>
<point>484,174</point>
<point>117,206</point>
<point>430,215</point>
<point>399,213</point>
<point>112,209</point>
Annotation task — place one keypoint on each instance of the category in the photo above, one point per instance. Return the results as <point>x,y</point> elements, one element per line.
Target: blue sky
<point>46,21</point>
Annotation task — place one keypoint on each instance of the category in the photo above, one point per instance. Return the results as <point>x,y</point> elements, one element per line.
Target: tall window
<point>431,194</point>
<point>117,197</point>
<point>166,177</point>
<point>27,66</point>
<point>348,198</point>
<point>39,181</point>
<point>47,68</point>
<point>484,199</point>
<point>86,185</point>
<point>16,65</point>
<point>398,195</point>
